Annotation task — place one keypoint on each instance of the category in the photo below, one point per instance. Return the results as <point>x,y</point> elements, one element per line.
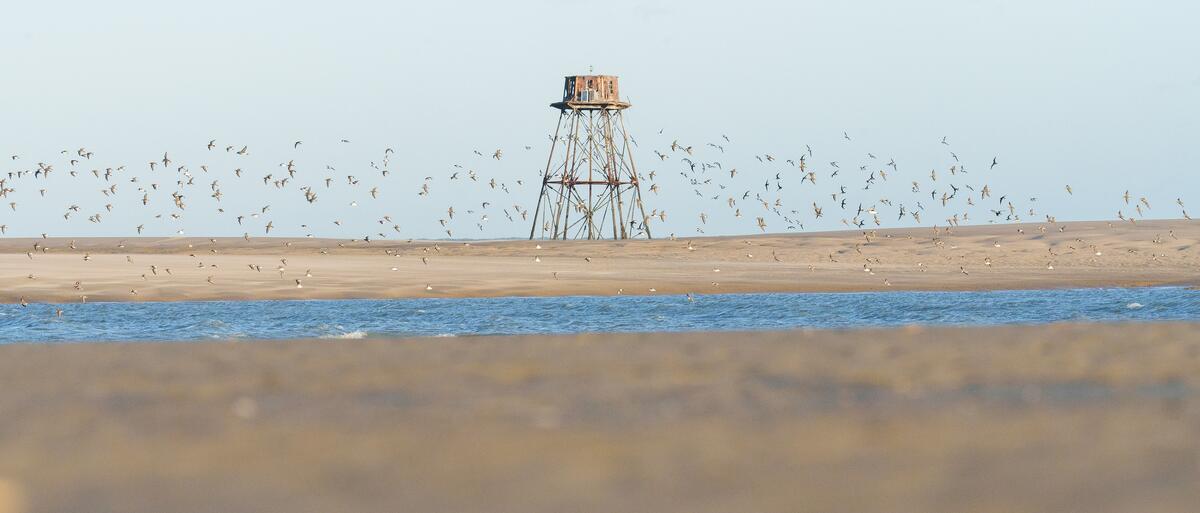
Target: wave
<point>348,335</point>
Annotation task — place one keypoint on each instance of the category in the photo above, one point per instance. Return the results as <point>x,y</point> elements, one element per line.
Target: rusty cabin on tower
<point>591,92</point>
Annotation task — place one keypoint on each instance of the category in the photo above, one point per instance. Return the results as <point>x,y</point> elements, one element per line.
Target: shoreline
<point>1189,285</point>
<point>985,257</point>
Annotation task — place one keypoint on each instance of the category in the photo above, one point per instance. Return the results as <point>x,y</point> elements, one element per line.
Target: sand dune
<point>1085,254</point>
<point>1096,418</point>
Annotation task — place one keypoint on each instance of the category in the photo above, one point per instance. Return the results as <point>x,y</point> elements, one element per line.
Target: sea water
<point>198,320</point>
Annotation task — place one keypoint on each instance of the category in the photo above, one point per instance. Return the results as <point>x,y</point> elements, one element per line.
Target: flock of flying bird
<point>853,193</point>
<point>778,193</point>
<point>164,181</point>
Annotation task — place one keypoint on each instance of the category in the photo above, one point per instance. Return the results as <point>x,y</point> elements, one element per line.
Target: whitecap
<point>1133,306</point>
<point>349,335</point>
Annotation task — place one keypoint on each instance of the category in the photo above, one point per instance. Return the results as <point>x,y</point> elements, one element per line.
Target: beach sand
<point>1089,418</point>
<point>993,257</point>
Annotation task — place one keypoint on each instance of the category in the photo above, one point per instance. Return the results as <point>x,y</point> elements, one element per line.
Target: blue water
<point>489,316</point>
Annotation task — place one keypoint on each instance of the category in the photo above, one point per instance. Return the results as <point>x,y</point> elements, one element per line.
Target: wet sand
<point>1091,254</point>
<point>1089,418</point>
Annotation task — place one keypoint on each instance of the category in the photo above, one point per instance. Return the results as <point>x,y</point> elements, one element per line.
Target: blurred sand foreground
<point>1088,418</point>
<point>1041,255</point>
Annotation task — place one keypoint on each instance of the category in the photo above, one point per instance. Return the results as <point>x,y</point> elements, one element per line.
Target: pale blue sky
<point>1101,95</point>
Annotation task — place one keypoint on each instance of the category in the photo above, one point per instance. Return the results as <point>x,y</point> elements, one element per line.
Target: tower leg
<point>546,176</point>
<point>567,186</point>
<point>637,190</point>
